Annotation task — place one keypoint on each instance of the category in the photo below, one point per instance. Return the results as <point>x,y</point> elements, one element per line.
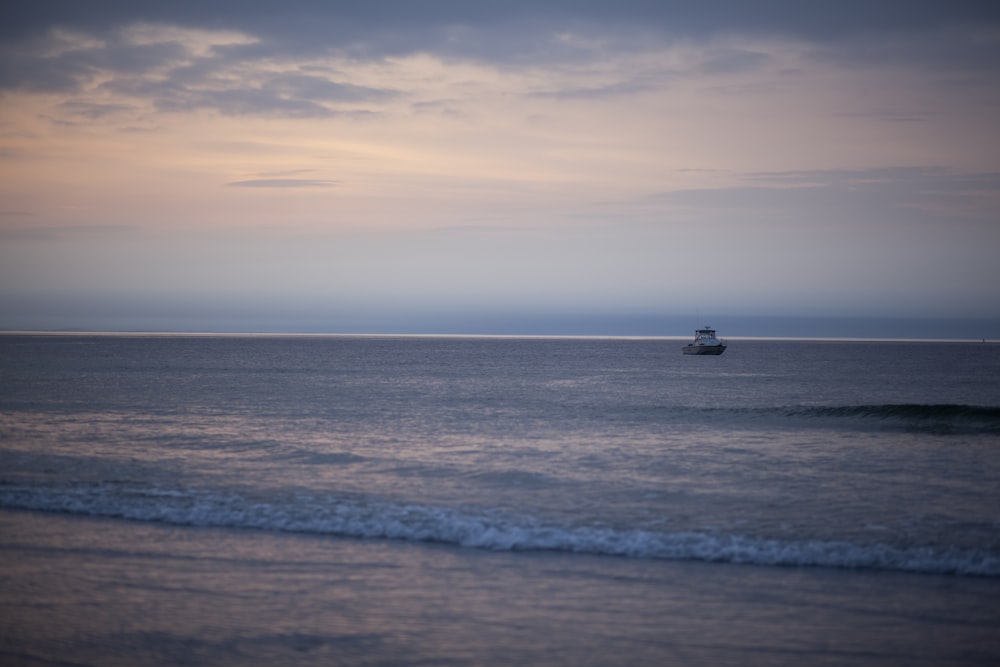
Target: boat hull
<point>704,349</point>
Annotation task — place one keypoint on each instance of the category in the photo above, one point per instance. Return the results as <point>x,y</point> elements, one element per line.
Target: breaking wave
<point>364,518</point>
<point>938,418</point>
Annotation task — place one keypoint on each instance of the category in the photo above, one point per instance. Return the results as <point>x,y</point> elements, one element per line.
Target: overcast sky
<point>463,166</point>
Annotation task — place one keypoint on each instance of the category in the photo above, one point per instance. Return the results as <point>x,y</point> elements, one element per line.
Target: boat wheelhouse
<point>705,342</point>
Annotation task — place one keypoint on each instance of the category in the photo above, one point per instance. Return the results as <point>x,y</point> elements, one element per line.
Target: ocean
<point>419,500</point>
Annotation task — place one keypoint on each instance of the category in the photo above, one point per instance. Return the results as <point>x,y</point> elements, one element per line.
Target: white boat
<point>705,342</point>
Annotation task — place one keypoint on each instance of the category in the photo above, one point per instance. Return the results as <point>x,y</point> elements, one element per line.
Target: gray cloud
<point>56,233</point>
<point>929,178</point>
<point>240,102</point>
<point>909,116</point>
<point>387,26</point>
<point>25,71</point>
<point>284,183</point>
<point>171,78</point>
<point>616,89</point>
<point>903,198</point>
<point>46,65</point>
<point>711,61</point>
<point>733,61</point>
<point>93,110</point>
<point>786,15</point>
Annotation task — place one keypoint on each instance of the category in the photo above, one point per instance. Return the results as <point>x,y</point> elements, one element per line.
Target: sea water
<point>550,464</point>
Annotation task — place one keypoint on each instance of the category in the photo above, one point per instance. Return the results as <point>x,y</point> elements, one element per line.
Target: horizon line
<point>331,334</point>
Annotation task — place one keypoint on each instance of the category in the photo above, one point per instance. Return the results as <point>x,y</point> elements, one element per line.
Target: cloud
<point>244,101</point>
<point>733,61</point>
<point>54,233</point>
<point>610,90</point>
<point>910,185</point>
<point>177,70</point>
<point>93,110</point>
<point>250,89</point>
<point>885,195</point>
<point>273,59</point>
<point>788,15</point>
<point>969,47</point>
<point>283,183</point>
<point>379,28</point>
<point>910,116</point>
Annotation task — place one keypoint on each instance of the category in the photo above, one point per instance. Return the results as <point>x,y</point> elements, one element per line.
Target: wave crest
<point>932,417</point>
<point>365,518</point>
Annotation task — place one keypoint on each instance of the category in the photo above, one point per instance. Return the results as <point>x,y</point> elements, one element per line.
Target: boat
<point>705,342</point>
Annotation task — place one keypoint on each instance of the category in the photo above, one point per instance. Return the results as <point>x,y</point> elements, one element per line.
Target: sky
<point>519,167</point>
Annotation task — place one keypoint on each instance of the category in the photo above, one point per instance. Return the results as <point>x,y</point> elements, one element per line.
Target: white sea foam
<point>364,518</point>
